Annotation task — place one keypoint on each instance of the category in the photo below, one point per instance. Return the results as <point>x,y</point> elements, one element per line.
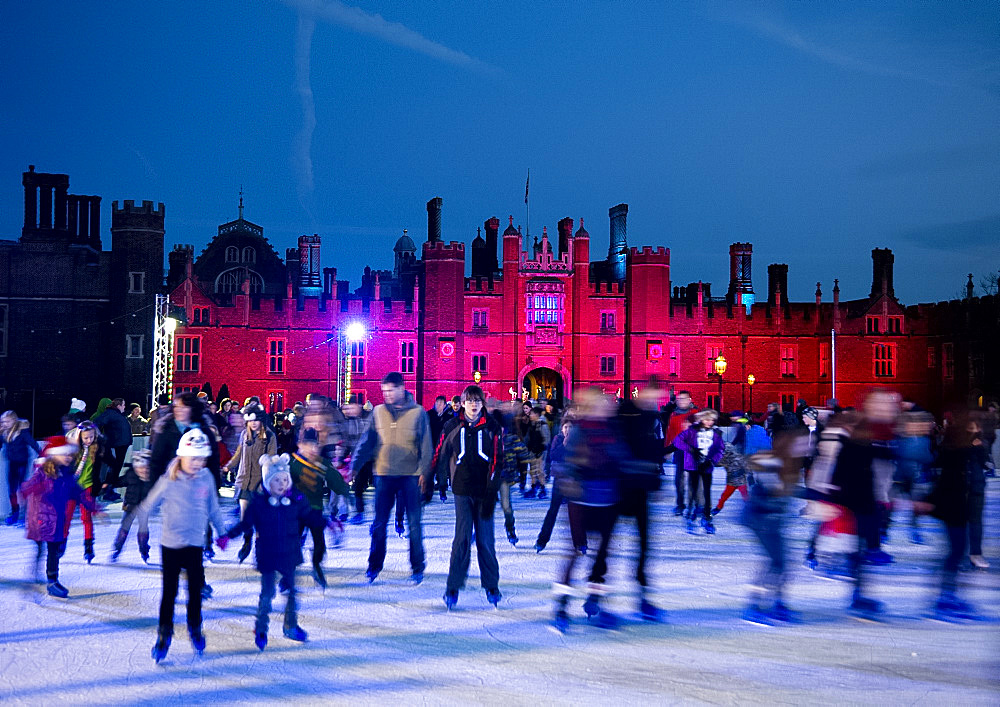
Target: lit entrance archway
<point>543,383</point>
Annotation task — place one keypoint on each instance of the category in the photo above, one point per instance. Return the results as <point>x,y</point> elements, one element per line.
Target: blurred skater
<point>137,486</point>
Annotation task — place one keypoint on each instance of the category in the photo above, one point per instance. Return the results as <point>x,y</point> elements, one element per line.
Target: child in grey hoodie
<point>187,492</point>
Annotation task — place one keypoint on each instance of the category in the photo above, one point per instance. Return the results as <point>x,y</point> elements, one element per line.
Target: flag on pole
<point>526,182</point>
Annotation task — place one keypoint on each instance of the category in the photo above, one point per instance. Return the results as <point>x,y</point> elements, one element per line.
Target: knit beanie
<point>194,443</point>
<point>272,466</point>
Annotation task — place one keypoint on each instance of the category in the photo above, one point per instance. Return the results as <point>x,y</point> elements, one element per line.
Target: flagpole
<point>527,214</point>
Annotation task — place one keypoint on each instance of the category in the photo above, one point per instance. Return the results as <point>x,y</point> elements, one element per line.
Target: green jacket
<point>310,477</point>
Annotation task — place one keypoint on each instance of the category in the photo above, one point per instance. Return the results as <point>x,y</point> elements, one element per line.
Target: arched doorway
<point>543,383</point>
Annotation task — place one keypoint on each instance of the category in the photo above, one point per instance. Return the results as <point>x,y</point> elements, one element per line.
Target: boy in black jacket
<point>472,447</point>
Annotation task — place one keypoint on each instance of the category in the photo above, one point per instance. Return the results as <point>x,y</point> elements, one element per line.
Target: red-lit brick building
<point>548,319</point>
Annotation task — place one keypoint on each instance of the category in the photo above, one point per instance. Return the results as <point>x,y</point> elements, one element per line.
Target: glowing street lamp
<point>751,379</point>
<point>477,377</point>
<point>720,369</point>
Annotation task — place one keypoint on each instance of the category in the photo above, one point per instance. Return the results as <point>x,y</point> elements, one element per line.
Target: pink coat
<point>47,499</point>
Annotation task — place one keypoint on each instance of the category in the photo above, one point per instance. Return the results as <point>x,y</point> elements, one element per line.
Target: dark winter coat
<point>279,529</point>
<point>437,423</point>
<point>950,495</point>
<point>854,475</point>
<point>47,499</point>
<point>594,458</point>
<point>473,453</point>
<point>514,455</point>
<point>136,489</point>
<point>115,427</point>
<point>643,431</point>
<point>17,448</point>
<point>687,442</point>
<point>166,437</point>
<point>556,456</point>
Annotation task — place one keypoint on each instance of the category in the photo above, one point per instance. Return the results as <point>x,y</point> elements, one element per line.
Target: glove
<point>222,541</point>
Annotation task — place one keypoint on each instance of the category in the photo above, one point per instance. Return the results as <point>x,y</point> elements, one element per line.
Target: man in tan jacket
<point>399,442</point>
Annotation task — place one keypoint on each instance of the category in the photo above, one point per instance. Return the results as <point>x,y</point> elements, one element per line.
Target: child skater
<point>47,493</point>
<point>472,448</point>
<point>137,486</point>
<point>277,512</point>
<point>187,492</point>
<point>310,471</point>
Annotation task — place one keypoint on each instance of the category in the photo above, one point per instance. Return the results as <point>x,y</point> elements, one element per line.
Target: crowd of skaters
<point>306,470</point>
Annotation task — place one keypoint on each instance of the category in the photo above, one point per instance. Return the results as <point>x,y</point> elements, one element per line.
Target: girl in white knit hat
<point>187,492</point>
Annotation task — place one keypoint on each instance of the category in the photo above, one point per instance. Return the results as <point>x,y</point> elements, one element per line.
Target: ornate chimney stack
<point>434,220</point>
<point>740,271</point>
<point>882,260</point>
<point>777,280</point>
<point>618,245</point>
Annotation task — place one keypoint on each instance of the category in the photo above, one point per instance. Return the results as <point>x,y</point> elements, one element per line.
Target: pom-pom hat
<point>58,445</point>
<point>77,404</point>
<point>253,414</point>
<point>273,466</point>
<point>194,443</point>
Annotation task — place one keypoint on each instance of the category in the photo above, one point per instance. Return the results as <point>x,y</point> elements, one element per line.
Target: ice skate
<point>400,529</point>
<point>416,578</point>
<point>753,615</point>
<point>260,639</point>
<point>865,608</point>
<point>295,633</point>
<point>539,547</point>
<point>560,622</point>
<point>511,536</point>
<point>319,577</point>
<point>119,544</point>
<point>244,552</point>
<point>12,518</point>
<point>780,612</point>
<point>450,599</point>
<point>161,646</point>
<point>197,639</point>
<point>143,539</point>
<point>493,596</point>
<point>606,620</point>
<point>88,550</point>
<point>650,612</point>
<point>371,575</point>
<point>592,606</point>
<point>57,590</point>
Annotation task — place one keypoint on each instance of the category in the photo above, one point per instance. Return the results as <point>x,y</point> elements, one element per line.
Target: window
<point>136,282</point>
<point>231,281</point>
<point>200,316</point>
<point>824,360</point>
<point>359,395</point>
<point>357,357</point>
<point>712,401</point>
<point>788,355</point>
<point>711,353</point>
<point>871,325</point>
<point>674,359</point>
<point>133,345</point>
<point>545,309</point>
<point>180,389</point>
<point>249,255</point>
<point>407,357</point>
<point>948,360</point>
<point>607,365</point>
<point>607,321</point>
<point>884,360</point>
<point>894,325</point>
<point>275,400</point>
<point>479,319</point>
<point>479,363</point>
<point>276,356</point>
<point>3,329</point>
<point>931,357</point>
<point>187,353</point>
<point>232,254</point>
<point>788,401</point>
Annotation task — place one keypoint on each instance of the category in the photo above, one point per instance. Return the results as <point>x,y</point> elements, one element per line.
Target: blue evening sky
<point>815,130</point>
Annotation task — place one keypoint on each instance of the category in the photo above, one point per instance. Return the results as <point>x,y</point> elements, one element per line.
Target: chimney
<point>330,282</point>
<point>740,271</point>
<point>492,228</point>
<point>836,305</point>
<point>309,277</point>
<point>434,220</point>
<point>882,260</point>
<point>777,280</point>
<point>565,234</point>
<point>819,296</point>
<point>618,245</point>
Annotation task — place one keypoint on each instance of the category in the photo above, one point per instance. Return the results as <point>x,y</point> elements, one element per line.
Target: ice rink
<point>394,643</point>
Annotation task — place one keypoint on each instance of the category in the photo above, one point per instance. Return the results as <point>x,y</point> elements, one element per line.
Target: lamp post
<point>751,379</point>
<point>720,369</point>
<point>354,333</point>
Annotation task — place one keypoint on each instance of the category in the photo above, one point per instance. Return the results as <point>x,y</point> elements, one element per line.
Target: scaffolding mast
<point>163,349</point>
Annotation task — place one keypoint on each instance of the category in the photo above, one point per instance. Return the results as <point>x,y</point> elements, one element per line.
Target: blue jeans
<point>386,490</point>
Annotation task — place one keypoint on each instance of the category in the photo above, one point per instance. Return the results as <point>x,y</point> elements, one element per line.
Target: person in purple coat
<point>702,446</point>
<point>47,493</point>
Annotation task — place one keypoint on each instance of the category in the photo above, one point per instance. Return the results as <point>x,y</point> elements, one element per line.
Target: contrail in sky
<point>354,18</point>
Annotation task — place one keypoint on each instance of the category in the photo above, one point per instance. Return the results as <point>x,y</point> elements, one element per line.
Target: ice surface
<point>394,643</point>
